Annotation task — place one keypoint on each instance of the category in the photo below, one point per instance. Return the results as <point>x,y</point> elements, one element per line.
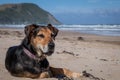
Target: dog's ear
<point>53,29</point>
<point>30,28</point>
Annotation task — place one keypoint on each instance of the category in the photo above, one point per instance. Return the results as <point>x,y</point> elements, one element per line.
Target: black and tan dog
<point>29,58</point>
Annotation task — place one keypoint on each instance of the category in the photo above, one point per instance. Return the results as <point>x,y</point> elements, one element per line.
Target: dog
<point>29,58</point>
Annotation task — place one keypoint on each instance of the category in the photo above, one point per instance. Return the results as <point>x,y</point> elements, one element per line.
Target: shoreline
<point>65,33</point>
<point>79,31</point>
<point>73,31</point>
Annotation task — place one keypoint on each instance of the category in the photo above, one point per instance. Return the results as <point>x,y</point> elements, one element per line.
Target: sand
<point>98,55</point>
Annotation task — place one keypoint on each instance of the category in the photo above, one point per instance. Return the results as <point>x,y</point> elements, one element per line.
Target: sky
<point>79,11</point>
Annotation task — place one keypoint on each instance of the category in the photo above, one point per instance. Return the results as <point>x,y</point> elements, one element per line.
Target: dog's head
<point>41,38</point>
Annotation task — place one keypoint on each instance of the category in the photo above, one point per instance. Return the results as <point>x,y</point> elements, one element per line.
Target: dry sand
<point>98,55</point>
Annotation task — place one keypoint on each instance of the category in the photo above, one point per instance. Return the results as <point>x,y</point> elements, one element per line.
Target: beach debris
<point>17,32</point>
<point>88,75</point>
<point>96,57</point>
<point>77,55</point>
<point>70,53</point>
<point>90,69</point>
<point>80,38</point>
<point>12,33</point>
<point>4,32</point>
<point>58,52</point>
<point>66,52</point>
<point>103,59</point>
<point>101,71</point>
<point>66,38</point>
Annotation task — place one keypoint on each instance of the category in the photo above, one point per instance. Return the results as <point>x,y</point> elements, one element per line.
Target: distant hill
<point>25,13</point>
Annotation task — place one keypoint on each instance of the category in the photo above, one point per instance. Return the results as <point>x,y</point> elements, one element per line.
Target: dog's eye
<point>41,35</point>
<point>52,35</point>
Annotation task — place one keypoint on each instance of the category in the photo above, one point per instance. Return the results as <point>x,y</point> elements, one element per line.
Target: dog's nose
<point>51,45</point>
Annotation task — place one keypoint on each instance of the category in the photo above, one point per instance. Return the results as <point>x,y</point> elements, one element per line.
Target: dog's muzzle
<point>51,47</point>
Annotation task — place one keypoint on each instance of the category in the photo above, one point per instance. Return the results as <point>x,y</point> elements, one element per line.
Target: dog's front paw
<point>76,75</point>
<point>44,75</point>
<point>67,78</point>
<point>63,77</point>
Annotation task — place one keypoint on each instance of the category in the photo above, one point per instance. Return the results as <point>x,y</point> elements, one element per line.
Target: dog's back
<point>15,62</point>
<point>10,58</point>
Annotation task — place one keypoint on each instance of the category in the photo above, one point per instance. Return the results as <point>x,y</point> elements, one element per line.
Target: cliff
<point>25,13</point>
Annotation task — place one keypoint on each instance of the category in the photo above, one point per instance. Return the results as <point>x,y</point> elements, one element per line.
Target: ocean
<point>107,30</point>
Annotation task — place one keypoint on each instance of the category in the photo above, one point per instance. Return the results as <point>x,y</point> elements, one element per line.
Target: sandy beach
<point>98,55</point>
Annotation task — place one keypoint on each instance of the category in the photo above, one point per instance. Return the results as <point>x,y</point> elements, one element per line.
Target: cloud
<point>72,10</point>
<point>77,10</point>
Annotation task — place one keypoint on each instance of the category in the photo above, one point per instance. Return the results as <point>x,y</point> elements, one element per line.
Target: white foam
<point>94,29</point>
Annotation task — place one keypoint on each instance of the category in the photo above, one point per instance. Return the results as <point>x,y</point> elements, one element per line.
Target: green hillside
<point>25,13</point>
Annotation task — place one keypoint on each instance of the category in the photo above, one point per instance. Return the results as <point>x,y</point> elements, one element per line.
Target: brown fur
<point>43,41</point>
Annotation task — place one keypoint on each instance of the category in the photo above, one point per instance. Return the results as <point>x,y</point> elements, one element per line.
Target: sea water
<point>108,30</point>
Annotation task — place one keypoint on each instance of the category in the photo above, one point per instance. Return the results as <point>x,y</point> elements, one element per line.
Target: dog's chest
<point>43,64</point>
<point>33,63</point>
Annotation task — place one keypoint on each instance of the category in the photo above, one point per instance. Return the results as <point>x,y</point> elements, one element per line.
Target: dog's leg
<point>65,72</point>
<point>44,75</point>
